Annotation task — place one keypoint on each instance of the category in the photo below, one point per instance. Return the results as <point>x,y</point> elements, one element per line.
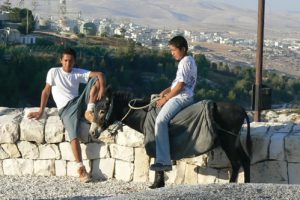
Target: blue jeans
<point>167,112</point>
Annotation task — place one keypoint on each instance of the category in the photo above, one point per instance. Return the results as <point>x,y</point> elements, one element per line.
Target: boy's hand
<point>161,102</point>
<point>101,94</point>
<point>34,115</point>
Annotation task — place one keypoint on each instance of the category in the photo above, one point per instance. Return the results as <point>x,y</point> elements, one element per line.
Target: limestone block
<point>171,176</point>
<point>256,128</point>
<point>9,124</point>
<point>141,165</point>
<point>152,173</point>
<point>3,154</point>
<point>54,130</point>
<point>28,150</point>
<point>191,172</point>
<point>281,127</point>
<point>1,168</point>
<point>241,177</point>
<point>92,151</point>
<point>121,152</point>
<point>217,158</point>
<point>180,166</point>
<point>129,137</point>
<point>83,132</point>
<point>260,146</point>
<point>276,149</point>
<point>294,173</point>
<point>269,172</point>
<point>124,170</point>
<point>292,147</point>
<point>49,151</point>
<point>296,128</point>
<point>72,168</point>
<point>60,168</point>
<point>12,150</point>
<point>18,167</point>
<point>32,130</point>
<point>223,176</point>
<point>52,111</point>
<point>103,169</point>
<point>66,151</point>
<point>207,175</point>
<point>44,167</point>
<point>199,160</point>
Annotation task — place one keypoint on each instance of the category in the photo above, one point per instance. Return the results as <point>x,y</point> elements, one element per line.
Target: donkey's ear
<point>108,91</point>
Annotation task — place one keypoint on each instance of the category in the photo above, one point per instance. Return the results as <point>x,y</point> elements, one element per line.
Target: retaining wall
<point>41,148</point>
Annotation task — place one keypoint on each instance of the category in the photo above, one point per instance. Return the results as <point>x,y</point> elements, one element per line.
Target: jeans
<point>167,112</point>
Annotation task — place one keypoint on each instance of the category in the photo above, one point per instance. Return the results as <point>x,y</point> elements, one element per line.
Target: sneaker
<point>89,116</point>
<point>84,177</point>
<point>160,167</point>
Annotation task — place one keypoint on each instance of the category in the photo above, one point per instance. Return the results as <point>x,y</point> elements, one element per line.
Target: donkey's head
<point>102,109</point>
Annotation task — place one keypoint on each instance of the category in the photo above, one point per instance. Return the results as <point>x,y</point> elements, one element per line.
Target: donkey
<point>228,117</point>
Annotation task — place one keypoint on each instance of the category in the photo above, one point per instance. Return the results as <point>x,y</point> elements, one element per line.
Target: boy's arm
<point>101,79</point>
<point>179,86</point>
<point>44,99</point>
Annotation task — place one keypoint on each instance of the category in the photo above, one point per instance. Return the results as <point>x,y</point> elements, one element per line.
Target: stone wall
<point>41,148</point>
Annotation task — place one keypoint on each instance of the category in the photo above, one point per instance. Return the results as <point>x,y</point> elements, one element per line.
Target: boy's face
<point>67,62</point>
<point>177,53</point>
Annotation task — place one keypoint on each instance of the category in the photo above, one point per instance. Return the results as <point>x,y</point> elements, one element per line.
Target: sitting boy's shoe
<point>89,116</point>
<point>160,167</point>
<point>84,177</point>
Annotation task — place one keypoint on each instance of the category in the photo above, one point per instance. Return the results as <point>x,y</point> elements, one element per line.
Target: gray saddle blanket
<point>191,131</point>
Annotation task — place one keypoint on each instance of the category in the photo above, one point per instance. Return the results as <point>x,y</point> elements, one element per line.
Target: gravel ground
<point>14,187</point>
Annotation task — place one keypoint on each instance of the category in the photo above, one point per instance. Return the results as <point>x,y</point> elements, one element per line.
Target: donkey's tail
<point>248,137</point>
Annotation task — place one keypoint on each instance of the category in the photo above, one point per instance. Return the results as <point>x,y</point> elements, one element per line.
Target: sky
<point>270,5</point>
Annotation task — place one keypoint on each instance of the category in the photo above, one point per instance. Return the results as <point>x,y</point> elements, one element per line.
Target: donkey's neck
<point>136,120</point>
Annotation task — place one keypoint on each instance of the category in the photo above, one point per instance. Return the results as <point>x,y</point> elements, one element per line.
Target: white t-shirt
<point>187,73</point>
<point>65,86</point>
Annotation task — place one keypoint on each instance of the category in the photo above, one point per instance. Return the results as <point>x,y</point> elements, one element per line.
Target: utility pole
<point>259,59</point>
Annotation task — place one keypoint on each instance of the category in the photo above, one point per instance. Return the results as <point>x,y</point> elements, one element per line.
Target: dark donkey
<point>228,117</point>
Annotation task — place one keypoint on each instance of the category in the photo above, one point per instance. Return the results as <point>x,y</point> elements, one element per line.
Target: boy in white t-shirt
<point>173,99</point>
<point>64,82</point>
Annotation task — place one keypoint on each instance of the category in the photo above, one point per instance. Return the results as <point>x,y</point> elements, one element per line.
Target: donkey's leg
<point>159,180</point>
<point>229,146</point>
<point>245,160</point>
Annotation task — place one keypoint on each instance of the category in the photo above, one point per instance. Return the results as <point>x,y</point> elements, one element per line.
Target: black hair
<point>179,42</point>
<point>69,51</point>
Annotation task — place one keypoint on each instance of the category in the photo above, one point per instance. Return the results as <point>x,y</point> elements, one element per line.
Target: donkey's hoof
<point>157,185</point>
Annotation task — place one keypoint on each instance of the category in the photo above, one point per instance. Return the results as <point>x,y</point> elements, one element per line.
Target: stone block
<point>28,150</point>
<point>223,176</point>
<point>44,167</point>
<point>207,175</point>
<point>141,165</point>
<point>103,169</point>
<point>294,173</point>
<point>292,147</point>
<point>54,130</point>
<point>296,128</point>
<point>260,147</point>
<point>32,130</point>
<point>60,168</point>
<point>180,166</point>
<point>281,127</point>
<point>9,124</point>
<point>3,154</point>
<point>276,149</point>
<point>217,158</point>
<point>171,176</point>
<point>201,160</point>
<point>191,172</point>
<point>18,167</point>
<point>49,151</point>
<point>94,151</point>
<point>12,150</point>
<point>1,168</point>
<point>122,152</point>
<point>129,137</point>
<point>269,172</point>
<point>72,168</point>
<point>66,151</point>
<point>124,170</point>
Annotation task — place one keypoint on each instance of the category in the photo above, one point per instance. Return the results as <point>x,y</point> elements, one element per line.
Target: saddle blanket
<point>191,131</point>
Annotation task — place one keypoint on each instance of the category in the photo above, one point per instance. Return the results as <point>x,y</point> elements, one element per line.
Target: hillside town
<point>281,55</point>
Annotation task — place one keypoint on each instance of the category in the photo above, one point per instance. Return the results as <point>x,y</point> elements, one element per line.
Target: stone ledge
<point>41,148</point>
